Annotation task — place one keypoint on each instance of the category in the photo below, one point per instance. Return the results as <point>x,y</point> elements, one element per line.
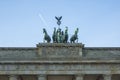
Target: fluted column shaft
<point>42,77</point>
<point>107,77</point>
<point>79,77</point>
<point>13,77</point>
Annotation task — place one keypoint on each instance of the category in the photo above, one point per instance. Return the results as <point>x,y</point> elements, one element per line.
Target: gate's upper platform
<point>59,52</point>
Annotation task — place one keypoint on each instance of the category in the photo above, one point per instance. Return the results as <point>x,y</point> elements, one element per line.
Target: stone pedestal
<point>13,77</point>
<point>60,50</point>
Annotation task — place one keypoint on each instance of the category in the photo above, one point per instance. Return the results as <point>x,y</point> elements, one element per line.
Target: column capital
<point>79,75</point>
<point>107,74</point>
<point>42,75</point>
<point>13,75</point>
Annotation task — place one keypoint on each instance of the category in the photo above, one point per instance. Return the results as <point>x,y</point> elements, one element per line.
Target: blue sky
<point>98,21</point>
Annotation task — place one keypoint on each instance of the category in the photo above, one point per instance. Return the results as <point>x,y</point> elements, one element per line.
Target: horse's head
<point>59,30</point>
<point>76,31</point>
<point>66,27</point>
<point>66,30</point>
<point>44,30</point>
<point>54,29</point>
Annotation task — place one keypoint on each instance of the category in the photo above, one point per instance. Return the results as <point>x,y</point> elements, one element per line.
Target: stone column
<point>107,77</point>
<point>13,77</point>
<point>79,77</point>
<point>42,77</point>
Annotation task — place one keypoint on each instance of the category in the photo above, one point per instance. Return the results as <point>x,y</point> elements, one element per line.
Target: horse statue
<point>59,36</point>
<point>74,37</point>
<point>58,20</point>
<point>65,36</point>
<point>54,36</point>
<point>46,36</point>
